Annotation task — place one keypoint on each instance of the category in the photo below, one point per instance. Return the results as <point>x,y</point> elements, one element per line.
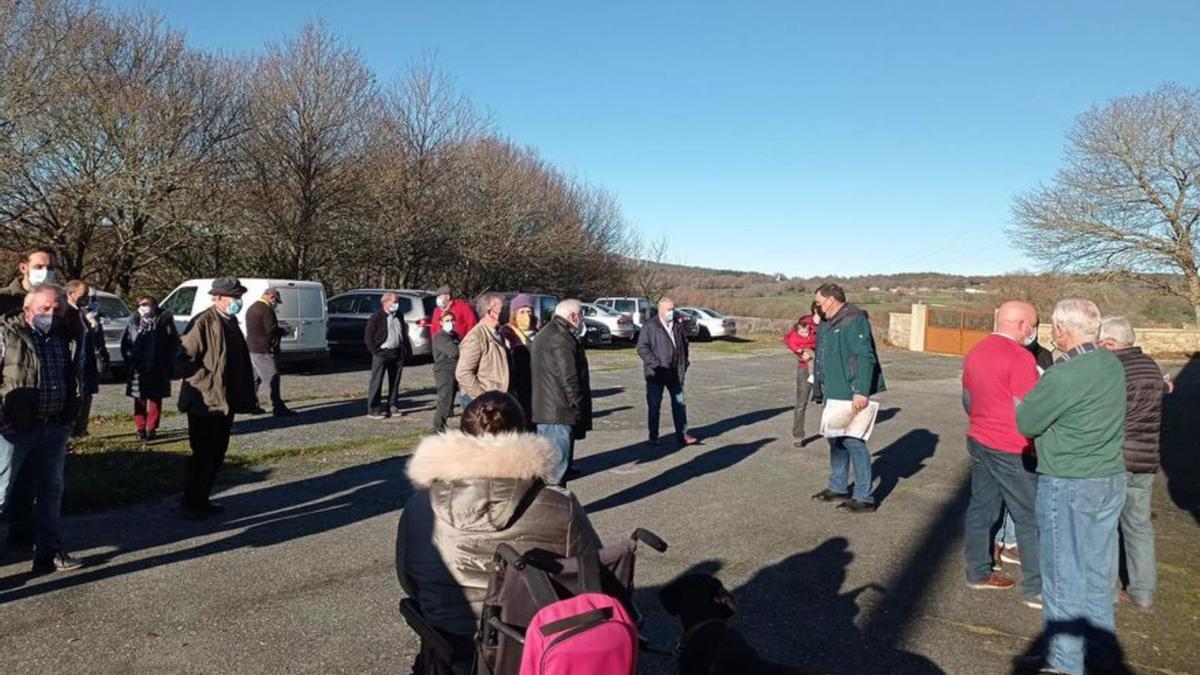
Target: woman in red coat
<point>801,340</point>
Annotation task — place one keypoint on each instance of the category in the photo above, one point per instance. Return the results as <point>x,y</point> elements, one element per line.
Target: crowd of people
<point>1063,452</point>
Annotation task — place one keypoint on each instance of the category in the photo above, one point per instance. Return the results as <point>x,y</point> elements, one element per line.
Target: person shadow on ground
<point>903,458</point>
<point>1104,653</point>
<point>796,613</point>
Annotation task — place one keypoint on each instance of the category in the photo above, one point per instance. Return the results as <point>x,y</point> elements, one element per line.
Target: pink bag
<point>589,634</point>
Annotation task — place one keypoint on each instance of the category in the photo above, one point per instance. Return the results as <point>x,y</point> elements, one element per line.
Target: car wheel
<point>703,334</point>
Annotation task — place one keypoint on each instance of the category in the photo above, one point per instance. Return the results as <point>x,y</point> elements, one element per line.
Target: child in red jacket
<point>802,341</point>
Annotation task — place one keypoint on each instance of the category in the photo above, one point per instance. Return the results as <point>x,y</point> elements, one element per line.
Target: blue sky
<point>805,138</point>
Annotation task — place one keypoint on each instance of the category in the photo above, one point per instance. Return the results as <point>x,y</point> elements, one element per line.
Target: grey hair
<point>568,307</point>
<point>484,302</point>
<point>1078,317</point>
<point>38,289</point>
<point>1117,329</point>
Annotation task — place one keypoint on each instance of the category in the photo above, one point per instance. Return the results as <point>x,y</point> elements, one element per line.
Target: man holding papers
<point>848,373</point>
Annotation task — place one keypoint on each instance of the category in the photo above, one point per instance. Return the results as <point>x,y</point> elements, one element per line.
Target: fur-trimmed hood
<point>453,455</point>
<point>479,483</point>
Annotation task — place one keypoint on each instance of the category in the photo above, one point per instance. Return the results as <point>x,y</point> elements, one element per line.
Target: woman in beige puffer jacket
<point>478,488</point>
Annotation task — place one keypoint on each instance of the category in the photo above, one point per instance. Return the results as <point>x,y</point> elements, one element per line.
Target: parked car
<point>711,323</point>
<point>349,312</point>
<point>114,316</point>
<point>691,327</point>
<point>620,325</point>
<point>637,309</point>
<point>597,333</point>
<point>543,304</point>
<point>301,312</point>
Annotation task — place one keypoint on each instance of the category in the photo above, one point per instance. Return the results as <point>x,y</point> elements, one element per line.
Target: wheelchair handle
<point>650,539</point>
<point>509,555</point>
<point>508,630</point>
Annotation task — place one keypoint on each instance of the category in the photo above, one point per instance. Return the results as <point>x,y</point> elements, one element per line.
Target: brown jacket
<point>475,493</point>
<point>482,361</point>
<point>215,366</point>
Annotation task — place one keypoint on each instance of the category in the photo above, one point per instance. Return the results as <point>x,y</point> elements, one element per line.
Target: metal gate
<point>955,331</point>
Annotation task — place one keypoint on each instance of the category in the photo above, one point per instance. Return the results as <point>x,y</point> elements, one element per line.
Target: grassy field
<point>112,468</point>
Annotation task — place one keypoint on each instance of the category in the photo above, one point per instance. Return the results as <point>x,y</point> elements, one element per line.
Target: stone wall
<point>1163,341</point>
<point>899,329</point>
<point>906,330</point>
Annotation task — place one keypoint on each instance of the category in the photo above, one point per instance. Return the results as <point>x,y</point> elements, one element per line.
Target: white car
<point>712,324</point>
<point>620,325</point>
<point>301,312</point>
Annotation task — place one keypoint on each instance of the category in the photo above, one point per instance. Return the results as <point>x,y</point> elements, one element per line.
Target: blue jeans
<point>44,447</point>
<point>562,437</point>
<point>654,397</point>
<point>845,451</point>
<point>1077,525</point>
<point>1138,533</point>
<point>1006,534</point>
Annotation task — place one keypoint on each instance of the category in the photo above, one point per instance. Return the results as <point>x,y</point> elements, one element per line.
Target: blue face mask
<point>234,307</point>
<point>43,323</point>
<point>93,305</point>
<point>669,316</point>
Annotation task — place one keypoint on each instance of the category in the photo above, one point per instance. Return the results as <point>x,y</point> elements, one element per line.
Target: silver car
<point>114,316</point>
<point>621,326</point>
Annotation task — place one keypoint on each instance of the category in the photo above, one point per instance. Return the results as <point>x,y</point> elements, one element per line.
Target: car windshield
<point>602,311</point>
<point>714,314</point>
<point>112,308</point>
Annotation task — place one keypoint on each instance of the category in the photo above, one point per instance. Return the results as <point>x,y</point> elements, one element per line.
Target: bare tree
<point>116,155</point>
<point>417,164</point>
<point>646,260</point>
<point>1127,203</point>
<point>314,106</point>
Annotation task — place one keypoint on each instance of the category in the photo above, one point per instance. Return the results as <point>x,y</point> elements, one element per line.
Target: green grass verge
<point>114,470</point>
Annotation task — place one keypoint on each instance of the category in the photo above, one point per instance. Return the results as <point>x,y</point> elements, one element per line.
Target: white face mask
<point>442,302</point>
<point>143,310</point>
<point>1031,338</point>
<point>42,275</point>
<point>448,327</point>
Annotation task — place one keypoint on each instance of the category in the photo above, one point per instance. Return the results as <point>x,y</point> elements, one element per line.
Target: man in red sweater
<point>464,316</point>
<point>997,374</point>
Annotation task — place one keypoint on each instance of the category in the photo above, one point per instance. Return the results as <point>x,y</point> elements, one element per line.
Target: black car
<point>349,312</point>
<point>597,334</point>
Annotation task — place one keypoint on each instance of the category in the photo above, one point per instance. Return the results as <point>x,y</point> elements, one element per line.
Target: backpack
<point>588,634</point>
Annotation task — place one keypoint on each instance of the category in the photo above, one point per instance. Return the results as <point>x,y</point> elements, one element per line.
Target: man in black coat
<point>263,334</point>
<point>562,385</point>
<point>663,348</point>
<point>386,338</point>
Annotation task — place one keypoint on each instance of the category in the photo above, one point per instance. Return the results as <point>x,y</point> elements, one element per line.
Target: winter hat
<point>519,301</point>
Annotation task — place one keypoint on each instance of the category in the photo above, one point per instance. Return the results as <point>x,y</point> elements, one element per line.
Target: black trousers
<point>208,435</point>
<point>18,510</point>
<point>386,364</point>
<point>447,387</point>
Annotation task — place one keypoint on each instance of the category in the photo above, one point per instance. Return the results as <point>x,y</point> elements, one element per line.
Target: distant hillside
<point>778,296</point>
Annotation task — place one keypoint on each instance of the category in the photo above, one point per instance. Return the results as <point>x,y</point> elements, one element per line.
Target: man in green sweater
<point>1076,415</point>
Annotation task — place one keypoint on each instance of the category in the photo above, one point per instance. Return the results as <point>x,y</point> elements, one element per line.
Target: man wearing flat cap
<point>263,334</point>
<point>218,382</point>
<point>464,316</point>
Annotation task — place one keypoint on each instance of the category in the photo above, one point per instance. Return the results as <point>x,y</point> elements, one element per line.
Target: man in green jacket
<point>1076,416</point>
<point>847,369</point>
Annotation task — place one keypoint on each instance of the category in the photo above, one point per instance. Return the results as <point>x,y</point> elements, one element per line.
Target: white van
<point>301,312</point>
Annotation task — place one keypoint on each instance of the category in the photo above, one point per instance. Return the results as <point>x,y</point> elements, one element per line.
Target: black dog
<point>709,645</point>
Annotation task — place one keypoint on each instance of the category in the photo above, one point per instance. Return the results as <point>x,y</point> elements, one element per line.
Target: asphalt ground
<point>298,576</point>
